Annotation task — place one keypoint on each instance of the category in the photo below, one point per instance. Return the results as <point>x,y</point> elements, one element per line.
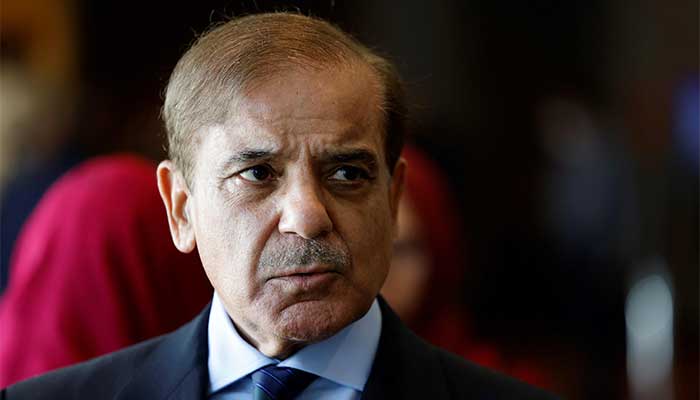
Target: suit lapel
<point>177,367</point>
<point>403,364</point>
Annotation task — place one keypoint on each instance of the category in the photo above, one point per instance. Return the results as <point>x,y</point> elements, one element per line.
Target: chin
<point>316,320</point>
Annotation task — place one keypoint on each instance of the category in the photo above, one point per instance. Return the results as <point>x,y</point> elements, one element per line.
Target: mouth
<point>308,278</point>
<point>306,271</point>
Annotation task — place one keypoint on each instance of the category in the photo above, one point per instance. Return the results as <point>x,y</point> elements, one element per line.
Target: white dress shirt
<point>342,362</point>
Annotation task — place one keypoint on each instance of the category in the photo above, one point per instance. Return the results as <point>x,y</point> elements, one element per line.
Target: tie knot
<point>279,383</point>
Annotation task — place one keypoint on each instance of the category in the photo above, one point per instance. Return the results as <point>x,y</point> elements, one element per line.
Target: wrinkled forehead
<point>322,108</point>
<point>352,92</point>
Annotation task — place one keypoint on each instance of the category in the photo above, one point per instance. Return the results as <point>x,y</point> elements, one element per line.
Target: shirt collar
<point>230,357</point>
<point>345,358</point>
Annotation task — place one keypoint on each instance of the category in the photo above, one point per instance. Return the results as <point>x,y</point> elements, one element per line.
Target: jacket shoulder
<point>465,379</point>
<point>99,378</point>
<point>408,367</point>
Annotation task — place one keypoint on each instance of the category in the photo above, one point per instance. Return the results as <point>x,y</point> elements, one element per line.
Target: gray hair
<point>226,60</point>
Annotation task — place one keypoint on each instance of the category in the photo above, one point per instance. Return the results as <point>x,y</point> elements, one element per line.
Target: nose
<point>304,212</point>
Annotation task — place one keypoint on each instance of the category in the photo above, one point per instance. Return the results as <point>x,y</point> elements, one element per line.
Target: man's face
<point>293,207</point>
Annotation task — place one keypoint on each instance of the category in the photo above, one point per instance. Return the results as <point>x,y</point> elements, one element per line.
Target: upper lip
<point>306,270</point>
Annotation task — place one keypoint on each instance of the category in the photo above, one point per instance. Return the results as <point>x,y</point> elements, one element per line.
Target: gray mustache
<point>307,252</point>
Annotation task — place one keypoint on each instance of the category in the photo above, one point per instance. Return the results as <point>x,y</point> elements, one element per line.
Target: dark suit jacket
<point>174,366</point>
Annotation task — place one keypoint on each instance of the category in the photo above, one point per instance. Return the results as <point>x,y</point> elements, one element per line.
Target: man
<point>284,173</point>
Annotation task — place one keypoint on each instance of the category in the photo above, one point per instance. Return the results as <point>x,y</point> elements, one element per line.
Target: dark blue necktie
<point>279,383</point>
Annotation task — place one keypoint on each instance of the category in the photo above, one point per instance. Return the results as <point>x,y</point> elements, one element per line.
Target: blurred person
<point>34,125</point>
<point>588,223</point>
<point>70,90</point>
<point>579,202</point>
<point>38,102</point>
<point>428,269</point>
<point>284,137</point>
<point>428,260</point>
<point>94,270</point>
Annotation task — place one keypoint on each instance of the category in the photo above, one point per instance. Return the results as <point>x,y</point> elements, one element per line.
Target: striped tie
<point>279,383</point>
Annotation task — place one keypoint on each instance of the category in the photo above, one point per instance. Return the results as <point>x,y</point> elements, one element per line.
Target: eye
<point>349,173</point>
<point>258,173</point>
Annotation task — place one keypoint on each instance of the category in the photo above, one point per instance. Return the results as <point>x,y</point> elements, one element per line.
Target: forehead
<point>302,108</point>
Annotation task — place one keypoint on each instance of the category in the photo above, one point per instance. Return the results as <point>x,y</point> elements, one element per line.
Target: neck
<point>269,345</point>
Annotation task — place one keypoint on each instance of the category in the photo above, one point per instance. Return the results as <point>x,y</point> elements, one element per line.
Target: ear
<point>176,196</point>
<point>398,179</point>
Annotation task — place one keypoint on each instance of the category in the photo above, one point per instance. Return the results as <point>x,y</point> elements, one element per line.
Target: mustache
<point>305,252</point>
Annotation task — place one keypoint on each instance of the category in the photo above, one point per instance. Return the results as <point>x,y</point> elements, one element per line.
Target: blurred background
<point>568,133</point>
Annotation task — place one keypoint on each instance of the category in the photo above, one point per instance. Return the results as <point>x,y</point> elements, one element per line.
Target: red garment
<point>429,194</point>
<point>95,270</point>
<point>442,319</point>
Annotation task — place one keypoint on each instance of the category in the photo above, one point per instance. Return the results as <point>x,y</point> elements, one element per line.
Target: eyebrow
<point>360,155</point>
<point>246,156</point>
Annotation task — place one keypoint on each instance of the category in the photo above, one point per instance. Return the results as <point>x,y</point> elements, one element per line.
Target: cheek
<point>230,238</point>
<point>365,231</point>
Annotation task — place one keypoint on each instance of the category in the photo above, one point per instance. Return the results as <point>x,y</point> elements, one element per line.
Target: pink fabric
<point>95,270</point>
